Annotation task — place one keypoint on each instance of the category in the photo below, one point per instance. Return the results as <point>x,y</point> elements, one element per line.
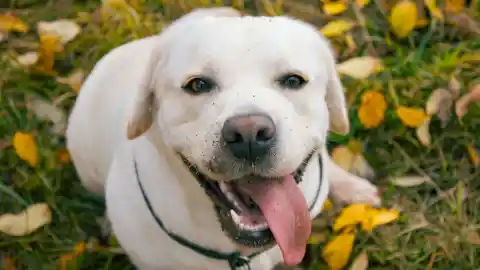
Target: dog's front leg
<point>346,187</point>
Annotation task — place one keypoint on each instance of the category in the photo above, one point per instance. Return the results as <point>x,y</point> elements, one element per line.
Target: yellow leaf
<point>327,205</point>
<point>27,221</point>
<point>372,109</point>
<point>360,67</point>
<point>343,157</point>
<point>411,117</point>
<point>9,22</point>
<point>378,217</point>
<point>360,262</point>
<point>434,10</point>
<point>362,3</point>
<point>337,252</point>
<point>473,153</point>
<point>64,30</point>
<point>79,248</point>
<point>48,47</point>
<point>403,18</point>
<point>336,28</point>
<point>25,147</point>
<point>454,6</point>
<point>74,80</point>
<point>351,215</point>
<point>334,8</point>
<point>421,23</point>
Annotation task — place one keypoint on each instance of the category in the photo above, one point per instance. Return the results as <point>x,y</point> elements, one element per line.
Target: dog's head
<point>242,99</point>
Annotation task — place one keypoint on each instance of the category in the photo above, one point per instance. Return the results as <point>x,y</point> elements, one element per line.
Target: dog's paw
<point>356,190</point>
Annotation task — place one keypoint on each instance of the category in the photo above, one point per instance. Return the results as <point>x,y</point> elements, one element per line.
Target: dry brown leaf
<point>64,30</point>
<point>439,103</point>
<point>473,237</point>
<point>8,263</point>
<point>423,132</point>
<point>27,221</point>
<point>461,106</point>
<point>360,262</point>
<point>403,18</point>
<point>28,59</point>
<point>360,167</point>
<point>409,181</point>
<point>46,110</point>
<point>360,67</point>
<point>343,157</point>
<point>454,86</point>
<point>74,80</point>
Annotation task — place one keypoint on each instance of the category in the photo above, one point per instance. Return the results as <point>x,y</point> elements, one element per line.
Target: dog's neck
<point>191,214</point>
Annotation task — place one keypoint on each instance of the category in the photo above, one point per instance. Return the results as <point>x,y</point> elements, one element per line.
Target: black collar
<point>235,259</point>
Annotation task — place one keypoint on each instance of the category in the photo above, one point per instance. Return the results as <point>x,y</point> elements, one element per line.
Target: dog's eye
<point>292,81</point>
<point>198,85</point>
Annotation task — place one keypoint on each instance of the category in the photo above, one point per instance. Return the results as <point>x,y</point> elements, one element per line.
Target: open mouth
<point>258,212</point>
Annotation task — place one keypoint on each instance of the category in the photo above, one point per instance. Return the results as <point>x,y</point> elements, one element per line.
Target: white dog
<point>208,141</point>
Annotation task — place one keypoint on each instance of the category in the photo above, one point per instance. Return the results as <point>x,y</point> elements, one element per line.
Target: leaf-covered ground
<point>411,88</point>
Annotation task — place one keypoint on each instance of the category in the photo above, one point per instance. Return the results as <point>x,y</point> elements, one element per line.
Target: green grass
<point>436,219</point>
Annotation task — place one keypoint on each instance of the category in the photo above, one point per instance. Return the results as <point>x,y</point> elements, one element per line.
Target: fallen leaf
<point>327,205</point>
<point>371,111</point>
<point>64,30</point>
<point>350,215</point>
<point>454,87</point>
<point>63,156</point>
<point>434,10</point>
<point>423,133</point>
<point>403,18</point>
<point>45,110</point>
<point>343,157</point>
<point>317,238</point>
<point>465,23</point>
<point>25,147</point>
<point>454,6</point>
<point>361,168</point>
<point>471,58</point>
<point>360,262</point>
<point>337,252</point>
<point>360,67</point>
<point>28,59</point>
<point>377,217</point>
<point>361,3</point>
<point>336,28</point>
<point>8,23</point>
<point>48,47</point>
<point>411,117</point>
<point>473,238</point>
<point>74,80</point>
<point>440,103</point>
<point>8,263</point>
<point>461,106</point>
<point>474,155</point>
<point>27,221</point>
<point>409,181</point>
<point>334,8</point>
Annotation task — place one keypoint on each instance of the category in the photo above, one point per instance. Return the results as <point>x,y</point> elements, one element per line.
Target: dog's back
<point>98,119</point>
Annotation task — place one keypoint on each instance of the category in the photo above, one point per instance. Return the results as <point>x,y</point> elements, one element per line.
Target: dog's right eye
<point>198,85</point>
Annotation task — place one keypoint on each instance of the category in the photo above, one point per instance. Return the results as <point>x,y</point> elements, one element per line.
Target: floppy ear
<point>142,115</point>
<point>143,112</point>
<point>337,107</point>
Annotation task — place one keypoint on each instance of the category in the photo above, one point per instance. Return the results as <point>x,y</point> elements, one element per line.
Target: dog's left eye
<point>198,85</point>
<point>292,81</point>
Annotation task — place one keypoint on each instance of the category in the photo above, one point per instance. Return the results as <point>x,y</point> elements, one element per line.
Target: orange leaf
<point>9,22</point>
<point>25,147</point>
<point>411,117</point>
<point>372,109</point>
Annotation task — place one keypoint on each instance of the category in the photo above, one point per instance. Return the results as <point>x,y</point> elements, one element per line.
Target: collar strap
<point>235,259</point>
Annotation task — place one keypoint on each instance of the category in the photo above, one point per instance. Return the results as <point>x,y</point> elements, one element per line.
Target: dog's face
<point>242,97</point>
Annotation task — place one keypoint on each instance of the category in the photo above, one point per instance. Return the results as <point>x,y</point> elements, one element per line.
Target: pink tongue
<point>286,212</point>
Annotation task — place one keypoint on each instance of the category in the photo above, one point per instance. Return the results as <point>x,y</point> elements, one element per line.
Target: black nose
<point>249,136</point>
